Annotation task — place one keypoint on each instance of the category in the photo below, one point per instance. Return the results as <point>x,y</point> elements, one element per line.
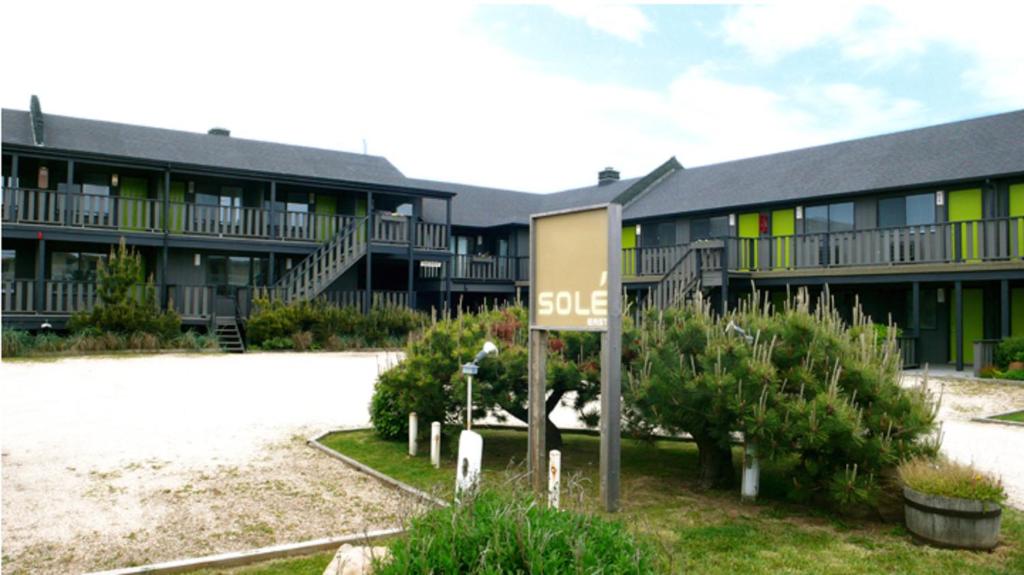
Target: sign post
<point>576,285</point>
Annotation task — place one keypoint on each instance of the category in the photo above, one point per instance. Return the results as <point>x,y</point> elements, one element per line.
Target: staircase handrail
<point>289,277</point>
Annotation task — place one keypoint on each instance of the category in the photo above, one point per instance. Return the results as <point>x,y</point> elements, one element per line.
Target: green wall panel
<point>176,211</point>
<point>628,243</point>
<point>965,206</point>
<point>132,206</point>
<point>1017,312</point>
<point>1017,210</point>
<point>783,225</point>
<point>974,323</point>
<point>748,227</point>
<point>326,224</point>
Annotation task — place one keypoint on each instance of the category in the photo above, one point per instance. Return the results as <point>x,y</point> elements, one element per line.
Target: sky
<point>535,97</point>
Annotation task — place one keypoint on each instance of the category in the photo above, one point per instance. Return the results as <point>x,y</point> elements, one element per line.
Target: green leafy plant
<point>940,476</point>
<point>430,382</point>
<point>496,533</point>
<point>1008,350</point>
<point>329,326</point>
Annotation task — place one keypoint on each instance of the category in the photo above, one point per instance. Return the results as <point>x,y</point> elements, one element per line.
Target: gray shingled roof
<point>970,149</point>
<point>189,148</point>
<point>477,206</point>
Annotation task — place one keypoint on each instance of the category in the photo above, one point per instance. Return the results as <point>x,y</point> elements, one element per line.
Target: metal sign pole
<point>538,414</point>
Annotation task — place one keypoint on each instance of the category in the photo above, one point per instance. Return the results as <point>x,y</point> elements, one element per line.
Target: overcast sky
<point>538,97</point>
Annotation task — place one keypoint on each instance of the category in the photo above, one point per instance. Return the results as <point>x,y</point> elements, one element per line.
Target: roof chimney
<point>607,176</point>
<point>219,132</point>
<point>35,114</point>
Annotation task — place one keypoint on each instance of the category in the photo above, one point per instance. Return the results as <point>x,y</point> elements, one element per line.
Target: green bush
<point>1010,349</point>
<point>16,342</point>
<point>430,382</point>
<point>805,387</point>
<point>495,533</point>
<point>385,411</point>
<point>1013,374</point>
<point>328,326</point>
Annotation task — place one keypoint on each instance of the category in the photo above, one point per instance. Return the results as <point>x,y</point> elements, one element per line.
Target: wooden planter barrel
<point>952,522</point>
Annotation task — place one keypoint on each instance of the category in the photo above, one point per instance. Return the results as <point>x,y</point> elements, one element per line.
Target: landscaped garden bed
<point>704,531</point>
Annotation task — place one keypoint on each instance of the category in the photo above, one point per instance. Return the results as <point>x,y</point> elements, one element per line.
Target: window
<point>836,217</point>
<point>915,210</point>
<point>708,228</point>
<point>921,210</point>
<point>230,205</point>
<point>659,234</point>
<point>8,264</point>
<point>297,207</point>
<point>75,266</point>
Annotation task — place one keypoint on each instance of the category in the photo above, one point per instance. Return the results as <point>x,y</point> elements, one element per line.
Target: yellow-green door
<point>748,229</point>
<point>965,206</point>
<point>176,208</point>
<point>783,228</point>
<point>326,223</point>
<point>974,326</point>
<point>133,205</point>
<point>629,250</point>
<point>1017,216</point>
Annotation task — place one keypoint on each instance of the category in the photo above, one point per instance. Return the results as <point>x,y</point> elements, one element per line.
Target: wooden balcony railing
<point>480,268</point>
<point>349,298</point>
<point>56,208</point>
<point>19,296</point>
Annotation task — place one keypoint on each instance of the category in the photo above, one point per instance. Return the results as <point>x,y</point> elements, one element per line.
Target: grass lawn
<point>1016,416</point>
<point>706,532</point>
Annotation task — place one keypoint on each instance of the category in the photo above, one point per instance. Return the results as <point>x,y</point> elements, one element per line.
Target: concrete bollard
<point>435,444</point>
<point>413,432</point>
<point>554,478</point>
<point>751,473</point>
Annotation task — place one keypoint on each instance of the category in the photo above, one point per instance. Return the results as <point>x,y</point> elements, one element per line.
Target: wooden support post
<point>272,213</point>
<point>14,172</point>
<point>451,257</point>
<point>368,297</point>
<point>272,272</point>
<point>915,309</point>
<point>1004,311</point>
<point>410,294</point>
<point>959,295</point>
<point>538,416</point>
<point>69,187</point>
<point>725,276</point>
<point>41,274</point>
<point>167,231</point>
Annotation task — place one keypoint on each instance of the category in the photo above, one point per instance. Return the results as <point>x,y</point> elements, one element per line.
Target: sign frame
<point>611,363</point>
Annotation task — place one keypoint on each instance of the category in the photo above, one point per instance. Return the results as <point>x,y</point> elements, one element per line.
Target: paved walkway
<point>111,462</point>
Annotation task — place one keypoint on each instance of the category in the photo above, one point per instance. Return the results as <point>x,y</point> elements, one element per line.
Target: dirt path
<point>116,462</point>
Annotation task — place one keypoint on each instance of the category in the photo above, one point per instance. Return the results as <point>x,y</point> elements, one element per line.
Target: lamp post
<point>469,370</point>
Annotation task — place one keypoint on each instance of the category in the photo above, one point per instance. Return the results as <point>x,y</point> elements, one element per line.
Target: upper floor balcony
<point>146,215</point>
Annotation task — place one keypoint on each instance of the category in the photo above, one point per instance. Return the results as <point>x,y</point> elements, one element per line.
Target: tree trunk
<point>552,435</point>
<point>716,471</point>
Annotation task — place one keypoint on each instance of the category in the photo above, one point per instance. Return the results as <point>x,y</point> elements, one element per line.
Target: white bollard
<point>467,470</point>
<point>751,473</point>
<point>413,431</point>
<point>554,478</point>
<point>435,444</point>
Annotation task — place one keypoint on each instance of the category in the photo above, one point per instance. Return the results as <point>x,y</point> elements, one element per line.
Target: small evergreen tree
<point>127,304</point>
<point>799,383</point>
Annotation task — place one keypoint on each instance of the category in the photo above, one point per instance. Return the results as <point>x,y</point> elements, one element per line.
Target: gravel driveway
<point>998,449</point>
<point>111,462</point>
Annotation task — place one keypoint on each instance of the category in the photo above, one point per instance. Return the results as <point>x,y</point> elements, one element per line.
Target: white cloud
<point>883,36</point>
<point>620,20</point>
<point>429,91</point>
<point>724,120</point>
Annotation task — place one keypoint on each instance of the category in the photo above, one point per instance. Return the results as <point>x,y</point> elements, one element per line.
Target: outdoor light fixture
<point>940,198</point>
<point>638,229</point>
<point>113,180</point>
<point>197,260</point>
<point>799,212</point>
<point>732,327</point>
<point>469,370</point>
<point>940,295</point>
<point>732,220</point>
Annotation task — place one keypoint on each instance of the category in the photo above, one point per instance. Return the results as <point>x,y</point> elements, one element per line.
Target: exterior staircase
<point>314,274</point>
<point>687,275</point>
<point>229,336</point>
